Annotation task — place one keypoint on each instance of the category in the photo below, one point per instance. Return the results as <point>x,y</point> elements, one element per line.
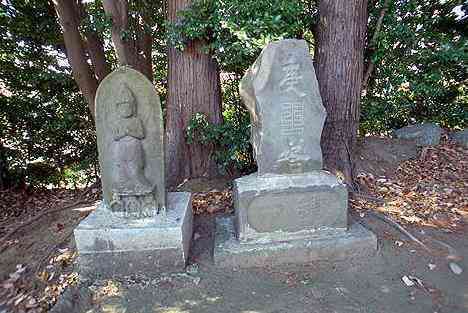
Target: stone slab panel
<point>269,205</point>
<point>357,242</point>
<point>281,92</point>
<point>111,246</point>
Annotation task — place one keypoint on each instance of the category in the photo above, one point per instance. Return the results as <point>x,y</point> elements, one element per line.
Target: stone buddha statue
<point>129,159</point>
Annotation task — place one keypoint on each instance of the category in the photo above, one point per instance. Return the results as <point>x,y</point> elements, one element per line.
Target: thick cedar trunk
<point>193,86</point>
<point>340,65</point>
<point>68,13</point>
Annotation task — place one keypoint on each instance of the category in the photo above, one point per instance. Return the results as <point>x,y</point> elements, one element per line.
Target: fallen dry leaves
<point>212,202</point>
<point>36,285</point>
<point>17,205</point>
<point>431,190</point>
<point>26,291</point>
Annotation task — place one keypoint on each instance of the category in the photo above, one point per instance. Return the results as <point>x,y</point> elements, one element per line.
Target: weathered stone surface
<point>112,246</point>
<point>461,137</point>
<point>427,134</point>
<point>267,206</point>
<point>130,144</point>
<point>290,211</point>
<point>282,94</point>
<point>327,245</point>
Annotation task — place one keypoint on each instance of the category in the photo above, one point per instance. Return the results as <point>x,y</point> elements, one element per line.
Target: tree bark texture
<point>95,47</point>
<point>340,65</point>
<point>4,175</point>
<point>69,16</point>
<point>131,49</point>
<point>97,55</point>
<point>118,10</point>
<point>193,86</point>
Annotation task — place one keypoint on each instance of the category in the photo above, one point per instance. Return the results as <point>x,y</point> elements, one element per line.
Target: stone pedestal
<point>289,219</point>
<point>270,204</point>
<point>112,246</point>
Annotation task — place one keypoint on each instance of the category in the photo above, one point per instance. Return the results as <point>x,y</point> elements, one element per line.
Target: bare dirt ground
<point>369,285</point>
<point>424,192</point>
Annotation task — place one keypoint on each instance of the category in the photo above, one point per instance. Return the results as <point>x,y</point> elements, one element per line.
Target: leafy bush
<point>420,72</point>
<point>235,31</point>
<point>233,152</point>
<point>45,126</point>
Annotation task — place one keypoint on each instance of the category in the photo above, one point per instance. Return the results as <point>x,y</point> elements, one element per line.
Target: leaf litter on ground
<point>36,286</point>
<point>428,191</point>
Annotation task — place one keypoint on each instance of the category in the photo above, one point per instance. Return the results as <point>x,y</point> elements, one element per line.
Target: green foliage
<point>233,152</point>
<point>230,139</point>
<point>47,134</point>
<point>235,31</point>
<point>45,125</point>
<point>420,56</point>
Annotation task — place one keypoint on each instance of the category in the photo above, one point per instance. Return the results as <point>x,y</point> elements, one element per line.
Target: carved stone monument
<point>290,210</point>
<point>137,228</point>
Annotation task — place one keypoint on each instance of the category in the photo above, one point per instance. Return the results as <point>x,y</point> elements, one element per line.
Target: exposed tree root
<point>396,225</point>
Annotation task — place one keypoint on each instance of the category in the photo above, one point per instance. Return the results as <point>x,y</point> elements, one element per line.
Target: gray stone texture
<point>290,211</point>
<point>326,245</point>
<point>130,134</point>
<point>111,246</point>
<point>426,134</point>
<point>268,206</point>
<point>282,95</point>
<point>460,137</point>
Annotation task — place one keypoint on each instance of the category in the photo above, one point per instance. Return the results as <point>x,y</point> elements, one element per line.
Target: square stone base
<point>111,246</point>
<point>273,204</point>
<point>300,248</point>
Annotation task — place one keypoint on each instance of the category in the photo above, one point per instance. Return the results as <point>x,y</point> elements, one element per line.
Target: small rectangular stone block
<point>318,246</point>
<point>110,246</point>
<point>289,203</point>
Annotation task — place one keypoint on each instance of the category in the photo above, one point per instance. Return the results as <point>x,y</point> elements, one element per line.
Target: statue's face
<point>125,109</point>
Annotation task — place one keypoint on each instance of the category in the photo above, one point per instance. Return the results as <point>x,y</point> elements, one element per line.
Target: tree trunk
<point>123,45</point>
<point>193,86</point>
<point>95,47</point>
<point>4,175</point>
<point>144,43</point>
<point>340,65</point>
<point>131,49</point>
<point>79,50</point>
<point>69,17</point>
<point>97,55</point>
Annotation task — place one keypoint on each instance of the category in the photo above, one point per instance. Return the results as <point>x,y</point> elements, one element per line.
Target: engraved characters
<point>292,119</point>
